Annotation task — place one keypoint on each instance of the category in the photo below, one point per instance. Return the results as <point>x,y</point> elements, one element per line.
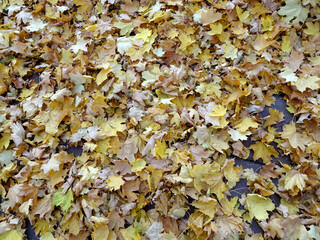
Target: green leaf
<point>6,157</point>
<point>63,200</point>
<point>293,9</point>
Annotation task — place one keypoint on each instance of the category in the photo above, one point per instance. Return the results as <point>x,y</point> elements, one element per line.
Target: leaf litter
<point>162,97</point>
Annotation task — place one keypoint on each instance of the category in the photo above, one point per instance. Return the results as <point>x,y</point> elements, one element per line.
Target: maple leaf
<point>210,16</point>
<point>245,124</point>
<point>228,226</point>
<point>88,172</point>
<point>18,133</point>
<point>258,206</point>
<point>128,149</point>
<point>6,157</point>
<point>242,15</point>
<point>160,149</point>
<point>52,164</point>
<point>101,232</point>
<point>144,34</point>
<point>154,9</point>
<point>154,230</point>
<point>23,16</point>
<point>261,42</point>
<point>274,117</point>
<point>126,28</point>
<point>124,44</point>
<point>114,182</point>
<point>11,235</point>
<point>216,28</point>
<point>312,28</point>
<point>295,139</point>
<point>295,181</point>
<point>293,9</point>
<point>288,74</point>
<point>267,23</point>
<point>138,165</point>
<point>219,111</point>
<point>312,82</point>
<point>295,60</point>
<point>64,200</point>
<point>263,151</point>
<point>36,25</point>
<point>314,232</point>
<point>230,51</point>
<point>78,80</point>
<point>237,135</point>
<point>80,45</point>
<point>186,40</point>
<point>112,126</point>
<point>151,76</point>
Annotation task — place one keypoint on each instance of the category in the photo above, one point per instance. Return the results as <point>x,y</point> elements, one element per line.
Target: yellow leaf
<point>181,156</point>
<point>52,14</point>
<point>114,182</point>
<point>5,140</point>
<point>286,44</point>
<point>138,164</point>
<point>143,34</point>
<point>130,233</point>
<point>52,1</point>
<point>216,28</point>
<point>263,151</point>
<point>245,124</point>
<point>27,92</point>
<point>125,27</point>
<point>102,76</point>
<point>3,87</point>
<point>186,40</point>
<point>242,15</point>
<point>66,57</point>
<point>312,82</point>
<point>103,146</point>
<point>113,126</point>
<point>101,232</point>
<point>312,28</point>
<point>43,227</point>
<point>160,149</point>
<point>295,139</point>
<point>295,181</point>
<point>258,206</point>
<point>230,51</point>
<point>231,173</point>
<point>74,224</point>
<point>19,66</point>
<point>261,42</point>
<point>274,117</point>
<point>219,111</point>
<point>172,33</point>
<point>207,206</point>
<point>267,23</point>
<point>47,236</point>
<point>154,178</point>
<point>99,104</point>
<point>11,235</point>
<point>25,207</point>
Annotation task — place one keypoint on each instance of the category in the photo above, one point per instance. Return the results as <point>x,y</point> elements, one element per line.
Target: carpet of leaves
<point>162,97</point>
